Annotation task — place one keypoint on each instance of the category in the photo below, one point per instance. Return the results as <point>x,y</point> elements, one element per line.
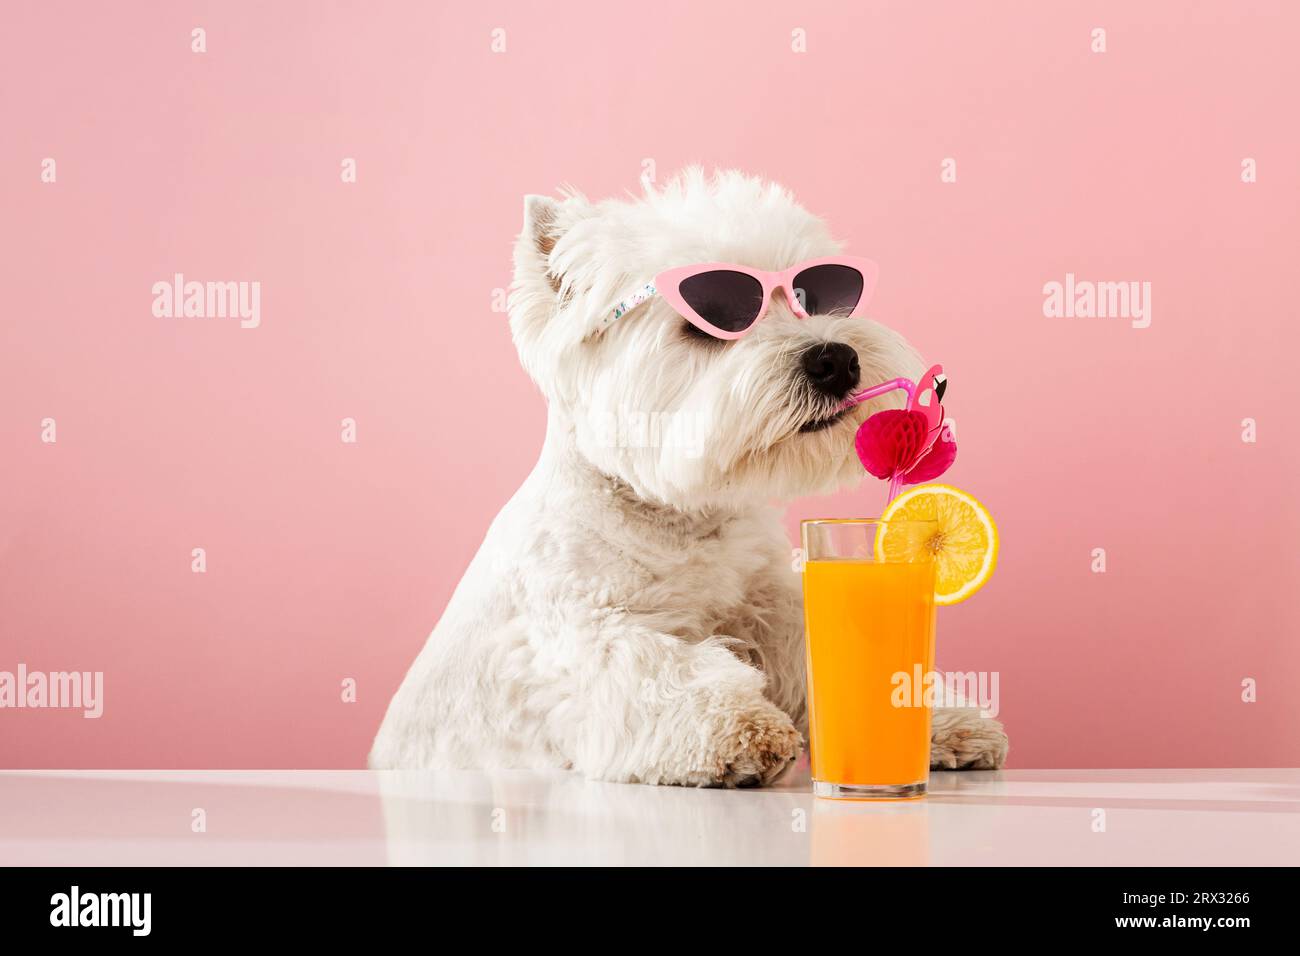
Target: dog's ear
<point>550,278</point>
<point>546,222</point>
<point>537,241</point>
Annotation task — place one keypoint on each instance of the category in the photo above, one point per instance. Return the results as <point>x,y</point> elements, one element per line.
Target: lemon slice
<point>965,545</point>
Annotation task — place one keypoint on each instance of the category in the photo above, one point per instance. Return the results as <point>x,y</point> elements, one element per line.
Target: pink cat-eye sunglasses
<point>727,300</point>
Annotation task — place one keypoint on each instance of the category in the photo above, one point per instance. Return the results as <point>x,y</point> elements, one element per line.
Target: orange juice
<point>867,622</point>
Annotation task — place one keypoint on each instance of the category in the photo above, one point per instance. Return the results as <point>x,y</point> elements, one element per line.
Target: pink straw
<point>875,391</point>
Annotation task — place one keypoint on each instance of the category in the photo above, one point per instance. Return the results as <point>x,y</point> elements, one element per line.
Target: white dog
<point>633,613</point>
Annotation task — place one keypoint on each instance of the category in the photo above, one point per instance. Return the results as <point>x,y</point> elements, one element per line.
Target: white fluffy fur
<point>632,613</point>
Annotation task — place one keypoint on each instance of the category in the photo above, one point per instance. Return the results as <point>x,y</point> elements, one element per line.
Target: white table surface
<point>307,817</point>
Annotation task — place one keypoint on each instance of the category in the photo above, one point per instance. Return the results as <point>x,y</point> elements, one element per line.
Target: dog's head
<point>685,419</point>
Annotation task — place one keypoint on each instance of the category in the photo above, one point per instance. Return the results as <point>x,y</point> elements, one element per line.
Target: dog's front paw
<point>963,740</point>
<point>752,747</point>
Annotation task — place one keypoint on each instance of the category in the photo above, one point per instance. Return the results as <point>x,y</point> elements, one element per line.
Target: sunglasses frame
<point>668,282</point>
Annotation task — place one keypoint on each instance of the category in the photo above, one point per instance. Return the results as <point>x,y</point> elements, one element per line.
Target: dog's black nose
<point>832,368</point>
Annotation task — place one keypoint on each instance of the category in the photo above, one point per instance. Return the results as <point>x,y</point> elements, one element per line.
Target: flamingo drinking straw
<point>901,445</point>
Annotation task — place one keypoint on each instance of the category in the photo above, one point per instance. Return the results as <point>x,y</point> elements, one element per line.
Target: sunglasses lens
<point>728,300</point>
<point>829,289</point>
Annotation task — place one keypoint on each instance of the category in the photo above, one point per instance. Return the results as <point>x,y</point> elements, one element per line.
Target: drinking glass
<point>869,628</point>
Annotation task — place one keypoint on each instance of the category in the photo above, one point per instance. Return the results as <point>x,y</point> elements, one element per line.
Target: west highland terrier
<point>632,613</point>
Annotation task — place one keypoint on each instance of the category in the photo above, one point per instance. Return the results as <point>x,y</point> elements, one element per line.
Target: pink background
<point>328,561</point>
